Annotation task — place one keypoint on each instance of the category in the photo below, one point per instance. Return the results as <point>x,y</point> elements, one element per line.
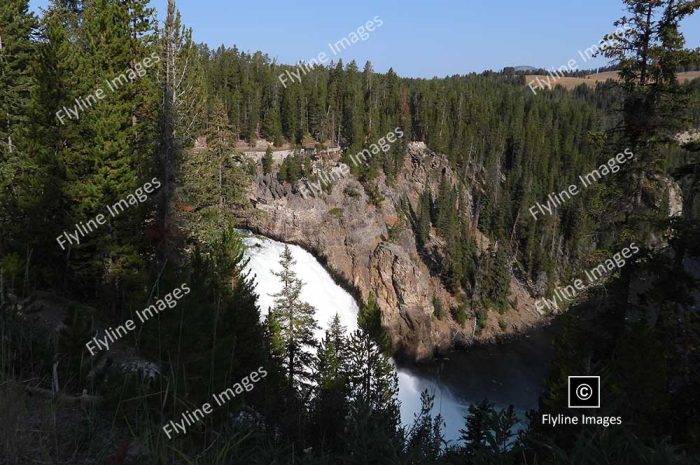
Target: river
<point>507,373</point>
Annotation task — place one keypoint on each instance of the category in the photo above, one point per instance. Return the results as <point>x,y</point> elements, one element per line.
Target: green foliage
<point>337,212</point>
<point>496,278</point>
<point>267,161</point>
<point>332,389</point>
<point>352,192</point>
<point>438,309</point>
<point>17,27</point>
<point>482,315</point>
<point>292,326</point>
<point>459,314</point>
<point>11,268</point>
<point>211,338</point>
<point>424,442</point>
<point>214,180</point>
<point>615,445</point>
<point>370,320</point>
<point>372,377</point>
<point>24,181</point>
<point>373,194</point>
<point>292,169</point>
<point>488,433</point>
<point>373,431</point>
<point>507,149</point>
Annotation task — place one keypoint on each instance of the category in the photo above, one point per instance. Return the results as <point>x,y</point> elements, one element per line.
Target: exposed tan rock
<point>351,236</point>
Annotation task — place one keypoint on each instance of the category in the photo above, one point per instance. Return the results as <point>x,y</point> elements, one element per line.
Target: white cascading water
<point>322,292</point>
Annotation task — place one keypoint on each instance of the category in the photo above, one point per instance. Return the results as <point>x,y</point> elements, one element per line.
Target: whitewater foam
<point>322,292</point>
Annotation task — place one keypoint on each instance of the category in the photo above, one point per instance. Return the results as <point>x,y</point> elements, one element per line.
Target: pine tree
<point>112,156</point>
<point>20,175</point>
<point>495,277</point>
<point>294,326</point>
<point>372,377</point>
<point>270,114</point>
<point>649,54</point>
<point>50,140</point>
<point>215,179</point>
<point>332,386</point>
<point>371,105</point>
<point>477,433</point>
<point>17,28</point>
<point>373,429</point>
<point>211,338</point>
<point>267,161</point>
<point>488,432</point>
<point>353,116</point>
<point>182,85</point>
<point>424,442</point>
<point>332,354</point>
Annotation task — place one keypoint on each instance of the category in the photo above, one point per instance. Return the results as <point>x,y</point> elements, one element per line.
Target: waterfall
<point>322,292</point>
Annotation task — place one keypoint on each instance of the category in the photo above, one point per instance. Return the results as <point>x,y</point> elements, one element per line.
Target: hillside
<point>407,217</point>
<point>371,247</point>
<point>591,80</point>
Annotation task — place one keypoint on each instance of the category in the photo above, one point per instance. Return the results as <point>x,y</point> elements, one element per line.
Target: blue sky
<point>419,38</point>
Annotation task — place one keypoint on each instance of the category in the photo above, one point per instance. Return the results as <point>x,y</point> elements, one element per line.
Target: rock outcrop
<point>371,249</point>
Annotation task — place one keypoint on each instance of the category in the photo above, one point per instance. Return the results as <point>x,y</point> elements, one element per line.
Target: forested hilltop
<point>508,148</point>
<point>110,211</point>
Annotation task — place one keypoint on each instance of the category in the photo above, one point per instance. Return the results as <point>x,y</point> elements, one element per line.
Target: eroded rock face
<point>404,297</point>
<point>372,249</point>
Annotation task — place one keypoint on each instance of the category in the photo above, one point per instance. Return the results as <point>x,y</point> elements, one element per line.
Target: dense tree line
<point>510,149</point>
<point>332,401</point>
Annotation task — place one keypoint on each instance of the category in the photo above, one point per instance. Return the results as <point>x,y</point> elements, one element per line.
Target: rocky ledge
<point>371,249</point>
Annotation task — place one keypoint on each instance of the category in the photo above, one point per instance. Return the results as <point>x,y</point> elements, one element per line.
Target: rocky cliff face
<point>371,249</point>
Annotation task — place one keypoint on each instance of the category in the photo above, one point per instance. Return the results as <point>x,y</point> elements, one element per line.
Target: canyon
<point>368,246</point>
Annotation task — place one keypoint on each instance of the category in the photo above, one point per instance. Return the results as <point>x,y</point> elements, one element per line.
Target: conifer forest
<point>210,255</point>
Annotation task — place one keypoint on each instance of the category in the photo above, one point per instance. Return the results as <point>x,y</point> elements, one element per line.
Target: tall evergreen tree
<point>215,179</point>
<point>293,326</point>
<point>373,432</point>
<point>425,439</point>
<point>267,161</point>
<point>183,99</point>
<point>372,377</point>
<point>332,386</point>
<point>17,28</point>
<point>20,175</point>
<point>649,54</point>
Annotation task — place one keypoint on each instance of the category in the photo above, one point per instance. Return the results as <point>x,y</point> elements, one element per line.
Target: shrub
<point>394,232</point>
<point>438,309</point>
<point>482,315</point>
<point>459,314</point>
<point>350,191</point>
<point>502,324</point>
